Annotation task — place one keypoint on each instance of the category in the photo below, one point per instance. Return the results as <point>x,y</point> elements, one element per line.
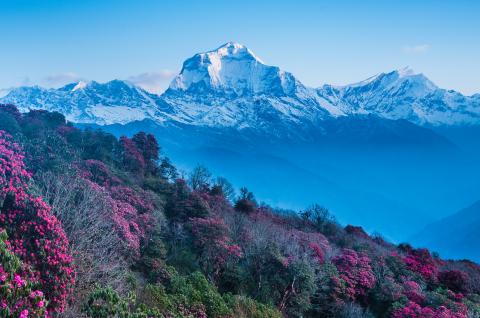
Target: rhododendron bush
<point>421,262</point>
<point>414,310</point>
<point>355,272</point>
<point>18,296</point>
<point>211,236</point>
<point>35,235</point>
<point>130,212</point>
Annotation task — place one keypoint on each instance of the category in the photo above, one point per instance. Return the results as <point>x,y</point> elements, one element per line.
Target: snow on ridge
<point>80,85</point>
<point>230,86</point>
<point>233,68</point>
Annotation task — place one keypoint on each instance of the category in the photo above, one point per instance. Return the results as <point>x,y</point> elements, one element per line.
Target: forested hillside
<point>95,226</point>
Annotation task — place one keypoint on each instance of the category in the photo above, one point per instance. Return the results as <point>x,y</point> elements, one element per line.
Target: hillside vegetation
<point>95,226</point>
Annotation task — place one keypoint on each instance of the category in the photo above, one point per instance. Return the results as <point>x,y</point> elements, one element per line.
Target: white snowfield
<point>232,87</point>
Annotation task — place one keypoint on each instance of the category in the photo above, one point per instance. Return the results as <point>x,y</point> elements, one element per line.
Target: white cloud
<point>416,49</point>
<point>61,79</point>
<point>155,82</point>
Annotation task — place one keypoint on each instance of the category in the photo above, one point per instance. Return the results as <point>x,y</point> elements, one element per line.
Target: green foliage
<point>195,289</point>
<point>153,254</point>
<point>184,296</point>
<point>245,307</point>
<point>473,304</point>
<point>8,123</point>
<point>286,284</point>
<point>106,303</point>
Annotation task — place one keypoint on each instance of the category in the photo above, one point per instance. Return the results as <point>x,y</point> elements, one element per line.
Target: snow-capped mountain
<point>231,87</point>
<point>404,94</point>
<point>233,70</point>
<point>112,102</point>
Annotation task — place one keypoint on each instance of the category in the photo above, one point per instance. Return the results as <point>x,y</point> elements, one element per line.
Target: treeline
<point>95,226</point>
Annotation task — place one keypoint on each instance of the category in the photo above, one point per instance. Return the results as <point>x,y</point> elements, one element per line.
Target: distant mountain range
<point>232,87</point>
<point>456,236</point>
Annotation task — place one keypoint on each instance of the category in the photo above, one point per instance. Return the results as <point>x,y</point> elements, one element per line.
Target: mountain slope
<point>193,249</point>
<point>112,102</point>
<point>231,87</point>
<point>455,236</point>
<point>327,169</point>
<point>404,94</point>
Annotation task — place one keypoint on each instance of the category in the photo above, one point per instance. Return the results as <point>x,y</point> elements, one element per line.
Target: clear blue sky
<point>50,42</point>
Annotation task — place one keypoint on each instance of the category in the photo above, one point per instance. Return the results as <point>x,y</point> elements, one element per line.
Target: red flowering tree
<point>139,200</point>
<point>211,236</point>
<point>132,157</point>
<point>147,145</point>
<point>127,214</point>
<point>35,235</point>
<point>356,273</point>
<point>420,261</point>
<point>98,172</point>
<point>130,211</point>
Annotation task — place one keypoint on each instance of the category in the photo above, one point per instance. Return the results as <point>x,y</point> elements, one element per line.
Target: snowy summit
<point>232,69</point>
<point>232,87</point>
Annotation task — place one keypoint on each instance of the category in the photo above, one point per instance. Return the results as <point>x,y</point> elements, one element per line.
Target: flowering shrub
<point>130,212</point>
<point>142,203</point>
<point>211,237</point>
<point>18,297</point>
<point>131,216</point>
<point>355,271</point>
<point>317,252</point>
<point>124,217</point>
<point>414,310</point>
<point>36,236</point>
<point>147,145</point>
<point>420,261</point>
<point>442,297</point>
<point>357,230</point>
<point>106,303</point>
<point>133,159</point>
<point>454,280</point>
<point>413,291</point>
<point>98,172</point>
<point>13,175</point>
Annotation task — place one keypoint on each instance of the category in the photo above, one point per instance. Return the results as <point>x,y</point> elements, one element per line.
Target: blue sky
<point>51,42</point>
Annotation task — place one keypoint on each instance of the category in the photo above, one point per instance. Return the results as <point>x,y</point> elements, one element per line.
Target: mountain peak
<point>398,78</point>
<point>232,44</point>
<point>235,49</point>
<point>232,70</point>
<point>79,85</point>
<point>406,71</point>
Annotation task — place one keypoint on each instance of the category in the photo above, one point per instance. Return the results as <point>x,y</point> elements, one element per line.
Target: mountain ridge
<point>230,86</point>
<point>461,228</point>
